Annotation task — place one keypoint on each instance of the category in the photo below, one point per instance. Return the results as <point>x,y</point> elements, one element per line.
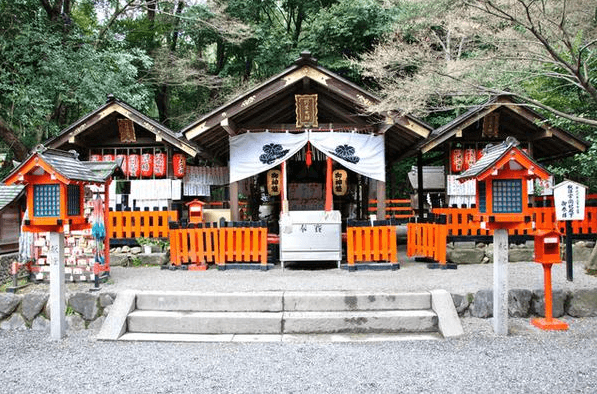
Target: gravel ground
<point>528,360</point>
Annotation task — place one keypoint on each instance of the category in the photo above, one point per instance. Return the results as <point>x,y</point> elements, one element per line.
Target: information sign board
<point>569,199</point>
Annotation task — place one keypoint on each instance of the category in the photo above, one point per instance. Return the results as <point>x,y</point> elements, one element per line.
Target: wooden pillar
<point>284,189</point>
<point>329,199</point>
<point>420,193</point>
<point>234,214</point>
<point>381,200</point>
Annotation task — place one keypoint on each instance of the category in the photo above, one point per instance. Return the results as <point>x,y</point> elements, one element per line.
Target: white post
<point>56,260</point>
<point>500,281</point>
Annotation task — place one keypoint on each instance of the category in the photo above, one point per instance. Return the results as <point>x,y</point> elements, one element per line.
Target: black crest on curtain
<point>272,153</point>
<point>346,152</point>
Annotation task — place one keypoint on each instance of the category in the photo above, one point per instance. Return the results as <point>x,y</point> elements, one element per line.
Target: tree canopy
<point>177,59</point>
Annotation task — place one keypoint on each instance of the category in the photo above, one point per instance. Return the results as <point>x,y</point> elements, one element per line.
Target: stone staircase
<point>279,315</point>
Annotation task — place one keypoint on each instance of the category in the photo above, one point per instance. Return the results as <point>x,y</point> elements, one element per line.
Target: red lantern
<point>95,158</point>
<point>457,160</point>
<point>179,165</point>
<point>108,157</point>
<point>146,164</point>
<point>134,165</point>
<point>159,165</point>
<point>124,162</point>
<point>470,158</point>
<point>479,154</point>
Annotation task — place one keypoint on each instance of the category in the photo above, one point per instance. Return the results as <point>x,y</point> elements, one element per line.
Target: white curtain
<point>253,153</point>
<point>361,153</point>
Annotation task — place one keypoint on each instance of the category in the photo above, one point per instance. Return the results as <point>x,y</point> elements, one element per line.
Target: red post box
<point>547,247</point>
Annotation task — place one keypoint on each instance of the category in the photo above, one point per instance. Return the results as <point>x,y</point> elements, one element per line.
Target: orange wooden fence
<point>460,222</point>
<point>396,208</point>
<point>197,245</point>
<point>427,240</point>
<point>365,244</point>
<point>134,224</point>
<point>218,245</point>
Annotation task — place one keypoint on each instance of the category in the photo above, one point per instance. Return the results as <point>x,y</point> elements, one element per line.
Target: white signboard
<point>569,199</point>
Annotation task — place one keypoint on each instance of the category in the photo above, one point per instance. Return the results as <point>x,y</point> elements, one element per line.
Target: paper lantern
<point>159,165</point>
<point>179,165</point>
<point>134,165</point>
<point>124,162</point>
<point>108,157</point>
<point>274,182</point>
<point>146,164</point>
<point>95,158</point>
<point>456,160</point>
<point>470,158</point>
<point>340,186</point>
<point>479,154</point>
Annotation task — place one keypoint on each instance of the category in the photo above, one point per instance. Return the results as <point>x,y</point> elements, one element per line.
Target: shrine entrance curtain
<point>361,153</point>
<point>253,153</point>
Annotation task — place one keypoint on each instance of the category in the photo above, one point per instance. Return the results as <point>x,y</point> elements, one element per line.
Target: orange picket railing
<point>427,240</point>
<point>243,244</point>
<point>218,245</point>
<point>460,222</point>
<point>194,245</point>
<point>367,244</point>
<point>134,224</point>
<point>395,208</point>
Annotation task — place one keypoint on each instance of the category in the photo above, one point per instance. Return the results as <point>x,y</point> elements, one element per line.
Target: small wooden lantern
<point>502,174</point>
<point>55,183</point>
<point>195,211</point>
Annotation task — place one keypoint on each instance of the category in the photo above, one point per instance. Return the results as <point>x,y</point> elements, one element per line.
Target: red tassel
<point>308,159</point>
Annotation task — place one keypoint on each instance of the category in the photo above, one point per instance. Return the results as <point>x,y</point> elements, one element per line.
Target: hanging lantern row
<point>145,165</point>
<point>462,159</point>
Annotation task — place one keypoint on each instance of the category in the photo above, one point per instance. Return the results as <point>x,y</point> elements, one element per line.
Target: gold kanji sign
<point>339,178</point>
<point>306,110</point>
<point>274,182</point>
<point>126,128</point>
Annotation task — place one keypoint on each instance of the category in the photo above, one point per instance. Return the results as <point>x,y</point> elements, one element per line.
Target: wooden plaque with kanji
<point>306,110</point>
<point>126,128</point>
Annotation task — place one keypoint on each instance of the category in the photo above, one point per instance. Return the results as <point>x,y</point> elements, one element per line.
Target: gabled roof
<point>9,194</point>
<point>64,166</point>
<point>94,126</point>
<point>516,119</point>
<point>496,156</point>
<point>271,105</point>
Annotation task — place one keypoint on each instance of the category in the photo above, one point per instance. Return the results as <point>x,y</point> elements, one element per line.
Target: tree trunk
<point>10,138</point>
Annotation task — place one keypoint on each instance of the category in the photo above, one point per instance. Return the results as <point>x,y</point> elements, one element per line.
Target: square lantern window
<point>46,200</point>
<point>73,204</point>
<point>507,195</point>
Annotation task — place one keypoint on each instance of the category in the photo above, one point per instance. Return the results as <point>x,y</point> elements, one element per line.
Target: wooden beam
<point>230,127</point>
<point>405,122</point>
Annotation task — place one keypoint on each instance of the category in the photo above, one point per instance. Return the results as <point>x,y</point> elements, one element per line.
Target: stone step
<point>276,301</point>
<point>264,301</point>
<point>292,338</point>
<point>180,322</point>
<point>354,301</point>
<point>360,322</point>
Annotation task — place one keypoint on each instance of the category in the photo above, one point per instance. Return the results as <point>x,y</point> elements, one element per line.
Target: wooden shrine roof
<point>9,194</point>
<point>493,155</point>
<point>66,165</point>
<point>342,105</point>
<point>515,119</point>
<point>99,129</point>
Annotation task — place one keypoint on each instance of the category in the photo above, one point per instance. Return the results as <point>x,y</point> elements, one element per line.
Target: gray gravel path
<point>528,360</point>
